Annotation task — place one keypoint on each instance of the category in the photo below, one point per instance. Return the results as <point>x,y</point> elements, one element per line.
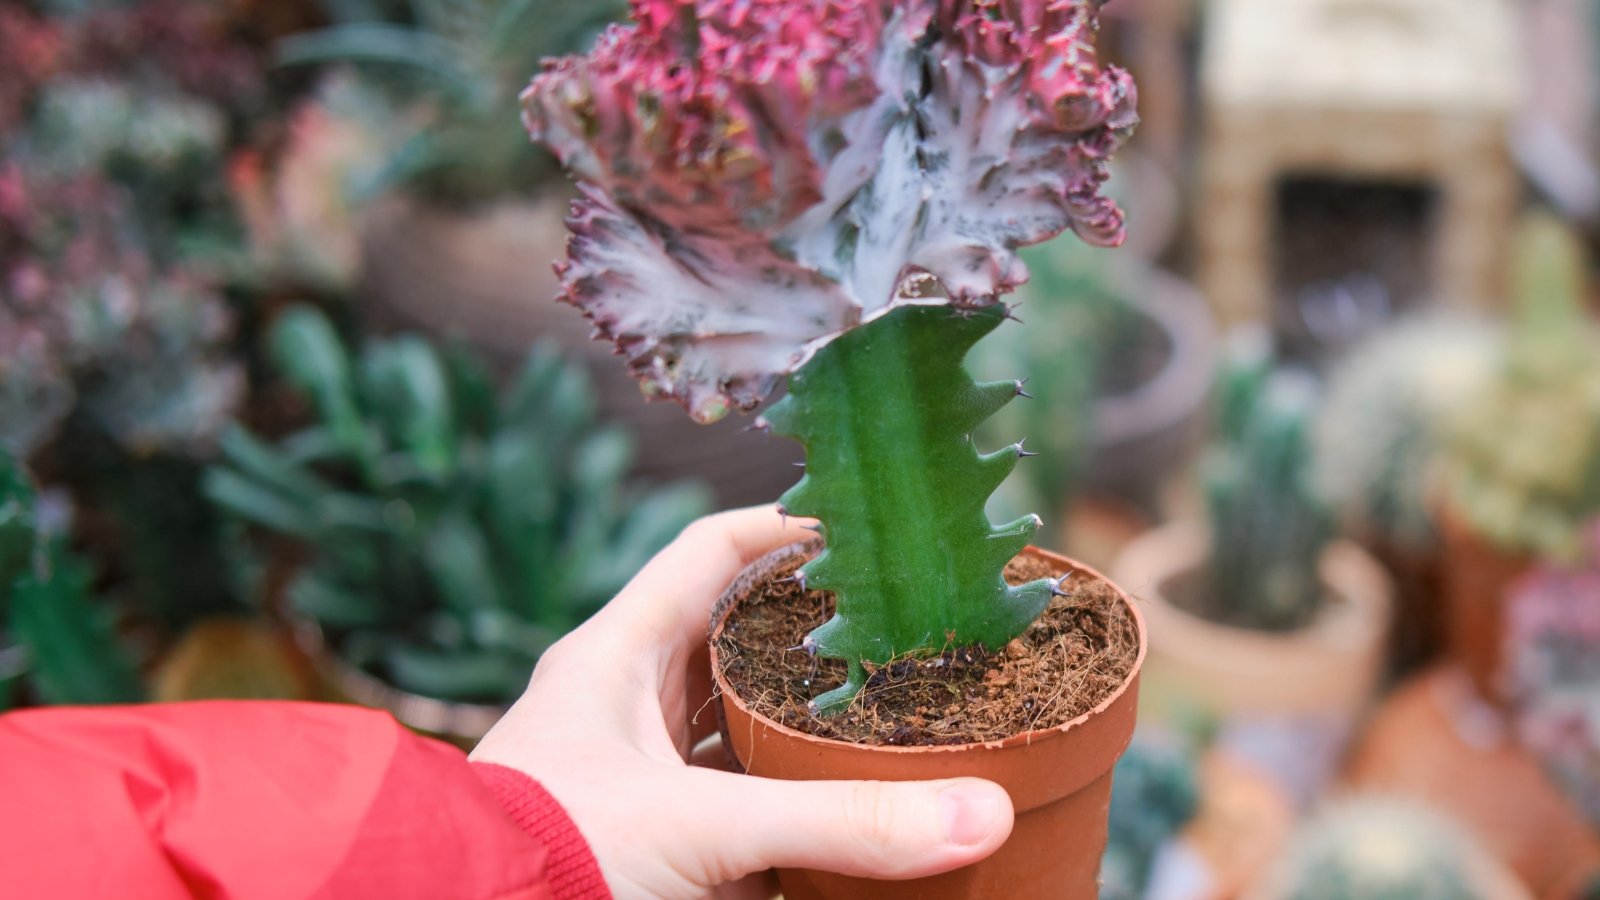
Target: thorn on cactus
<point>1021,452</point>
<point>1021,383</point>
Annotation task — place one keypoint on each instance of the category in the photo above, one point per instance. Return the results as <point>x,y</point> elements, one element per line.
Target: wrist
<point>571,869</point>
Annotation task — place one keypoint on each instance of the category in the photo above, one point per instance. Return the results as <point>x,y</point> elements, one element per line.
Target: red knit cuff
<point>572,870</point>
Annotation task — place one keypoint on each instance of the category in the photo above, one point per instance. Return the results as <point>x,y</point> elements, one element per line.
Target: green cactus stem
<point>886,413</point>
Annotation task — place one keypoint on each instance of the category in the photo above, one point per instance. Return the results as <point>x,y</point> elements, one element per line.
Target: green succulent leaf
<point>886,414</point>
<point>469,676</point>
<point>308,353</point>
<point>76,658</point>
<point>409,390</point>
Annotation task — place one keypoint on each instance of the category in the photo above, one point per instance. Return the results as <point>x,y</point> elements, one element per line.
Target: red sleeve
<point>265,800</point>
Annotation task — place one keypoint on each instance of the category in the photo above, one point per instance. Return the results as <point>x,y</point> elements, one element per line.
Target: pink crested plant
<point>760,176</point>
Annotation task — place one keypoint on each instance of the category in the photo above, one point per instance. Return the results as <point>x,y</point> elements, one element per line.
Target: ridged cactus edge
<point>886,413</point>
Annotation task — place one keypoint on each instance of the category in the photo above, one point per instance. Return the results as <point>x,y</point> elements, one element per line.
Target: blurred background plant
<point>1155,793</point>
<point>1379,848</point>
<point>1521,458</point>
<point>57,644</point>
<point>1384,416</point>
<point>1553,666</point>
<point>1268,525</point>
<point>114,268</point>
<point>453,535</point>
<point>453,69</point>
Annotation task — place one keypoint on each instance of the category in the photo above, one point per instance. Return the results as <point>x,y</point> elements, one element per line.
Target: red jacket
<point>270,800</point>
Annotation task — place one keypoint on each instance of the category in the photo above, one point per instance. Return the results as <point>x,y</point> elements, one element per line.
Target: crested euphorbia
<point>762,177</point>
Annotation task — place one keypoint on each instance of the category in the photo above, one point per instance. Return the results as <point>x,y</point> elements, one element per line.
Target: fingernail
<point>968,813</point>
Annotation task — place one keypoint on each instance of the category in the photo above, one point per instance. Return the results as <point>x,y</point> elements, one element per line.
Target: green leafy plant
<point>455,534</point>
<point>57,644</point>
<point>1268,526</point>
<point>456,66</point>
<point>834,193</point>
<point>1520,460</point>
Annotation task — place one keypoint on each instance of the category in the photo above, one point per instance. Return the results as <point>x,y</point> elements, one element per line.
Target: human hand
<point>613,714</point>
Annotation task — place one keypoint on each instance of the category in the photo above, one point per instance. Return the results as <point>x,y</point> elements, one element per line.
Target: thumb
<point>874,829</point>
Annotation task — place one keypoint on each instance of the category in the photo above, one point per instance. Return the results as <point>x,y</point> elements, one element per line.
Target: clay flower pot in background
<point>1059,778</point>
<point>1475,577</point>
<point>1436,740</point>
<point>1290,700</point>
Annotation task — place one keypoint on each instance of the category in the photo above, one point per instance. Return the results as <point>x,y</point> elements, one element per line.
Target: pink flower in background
<point>760,175</point>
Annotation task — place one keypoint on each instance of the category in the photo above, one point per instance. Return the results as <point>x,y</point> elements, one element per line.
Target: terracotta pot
<point>1436,740</point>
<point>1299,693</point>
<point>1059,779</point>
<point>485,275</point>
<point>1419,623</point>
<point>462,724</point>
<point>1476,576</point>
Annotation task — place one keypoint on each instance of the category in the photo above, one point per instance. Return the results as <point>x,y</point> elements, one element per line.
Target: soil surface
<point>1069,661</point>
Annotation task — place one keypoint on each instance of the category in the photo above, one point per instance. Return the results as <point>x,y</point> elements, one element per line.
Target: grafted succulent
<point>834,191</point>
<point>762,175</point>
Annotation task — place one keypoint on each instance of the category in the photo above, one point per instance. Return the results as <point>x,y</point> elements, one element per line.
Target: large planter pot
<point>1059,778</point>
<point>462,724</point>
<point>1289,700</point>
<point>485,275</point>
<point>1476,576</point>
<point>1147,417</point>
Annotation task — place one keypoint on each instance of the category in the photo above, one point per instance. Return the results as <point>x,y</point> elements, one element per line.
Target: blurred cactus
<point>56,644</point>
<point>1378,849</point>
<point>1268,526</point>
<point>1553,670</point>
<point>1521,459</point>
<point>456,535</point>
<point>1388,404</point>
<point>453,70</point>
<point>1155,792</point>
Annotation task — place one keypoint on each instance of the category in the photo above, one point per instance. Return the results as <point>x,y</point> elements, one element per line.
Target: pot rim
<point>810,547</point>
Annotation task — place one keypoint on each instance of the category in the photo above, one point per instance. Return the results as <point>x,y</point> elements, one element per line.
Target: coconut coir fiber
<point>1075,656</point>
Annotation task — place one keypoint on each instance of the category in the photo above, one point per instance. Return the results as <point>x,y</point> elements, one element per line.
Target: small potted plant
<point>1519,473</point>
<point>452,534</point>
<point>831,194</point>
<point>1259,615</point>
<point>1389,404</point>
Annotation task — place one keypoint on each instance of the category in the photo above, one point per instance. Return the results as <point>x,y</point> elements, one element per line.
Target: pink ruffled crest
<point>760,175</point>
